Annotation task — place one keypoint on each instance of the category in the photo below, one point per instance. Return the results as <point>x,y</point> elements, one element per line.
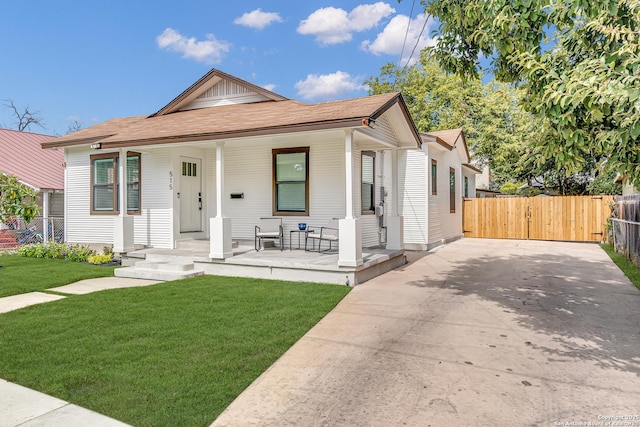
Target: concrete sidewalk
<point>480,332</point>
<point>21,406</point>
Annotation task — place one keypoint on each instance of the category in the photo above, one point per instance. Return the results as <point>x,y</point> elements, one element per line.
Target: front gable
<point>218,89</point>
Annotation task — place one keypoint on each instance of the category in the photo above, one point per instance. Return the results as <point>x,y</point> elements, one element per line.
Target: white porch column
<point>45,216</point>
<point>350,234</point>
<point>123,223</point>
<point>395,225</point>
<point>220,227</point>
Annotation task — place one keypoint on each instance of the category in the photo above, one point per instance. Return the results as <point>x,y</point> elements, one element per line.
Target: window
<point>368,182</point>
<point>434,177</point>
<point>104,184</point>
<point>466,186</point>
<point>291,181</point>
<point>452,190</point>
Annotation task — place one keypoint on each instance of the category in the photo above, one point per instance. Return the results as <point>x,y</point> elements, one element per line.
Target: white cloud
<point>392,38</point>
<point>327,86</point>
<point>209,51</point>
<point>332,25</point>
<point>258,19</point>
<point>269,86</point>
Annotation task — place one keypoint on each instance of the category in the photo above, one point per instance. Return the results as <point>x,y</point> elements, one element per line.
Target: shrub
<point>53,250</point>
<point>99,259</point>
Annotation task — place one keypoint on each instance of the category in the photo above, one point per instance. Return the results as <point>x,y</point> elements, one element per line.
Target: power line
<point>404,42</point>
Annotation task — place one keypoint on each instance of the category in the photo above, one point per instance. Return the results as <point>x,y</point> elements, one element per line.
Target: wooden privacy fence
<point>572,218</point>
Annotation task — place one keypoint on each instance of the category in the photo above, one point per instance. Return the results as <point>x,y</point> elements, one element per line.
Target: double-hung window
<point>368,182</point>
<point>434,177</point>
<point>104,183</point>
<point>291,181</point>
<point>466,186</point>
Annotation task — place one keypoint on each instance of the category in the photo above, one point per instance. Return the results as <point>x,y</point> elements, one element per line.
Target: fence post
<point>45,216</point>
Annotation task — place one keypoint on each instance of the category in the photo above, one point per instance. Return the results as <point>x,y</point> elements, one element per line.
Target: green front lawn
<point>20,275</point>
<point>175,353</point>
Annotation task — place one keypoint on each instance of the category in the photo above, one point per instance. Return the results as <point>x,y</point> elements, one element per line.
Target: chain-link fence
<point>626,227</point>
<point>18,232</point>
<point>626,239</point>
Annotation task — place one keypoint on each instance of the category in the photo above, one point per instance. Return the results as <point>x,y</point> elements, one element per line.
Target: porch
<point>191,258</point>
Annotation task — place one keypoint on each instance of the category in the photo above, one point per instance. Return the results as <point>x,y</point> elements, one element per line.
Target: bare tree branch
<point>26,118</point>
<point>75,126</point>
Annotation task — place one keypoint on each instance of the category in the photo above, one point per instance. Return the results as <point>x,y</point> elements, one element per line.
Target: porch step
<point>159,270</point>
<point>199,245</point>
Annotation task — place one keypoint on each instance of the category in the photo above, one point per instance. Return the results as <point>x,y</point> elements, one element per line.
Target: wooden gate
<point>571,218</point>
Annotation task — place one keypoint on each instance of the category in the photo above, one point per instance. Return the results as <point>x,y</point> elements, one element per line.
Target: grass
<point>627,267</point>
<point>175,353</point>
<point>19,274</point>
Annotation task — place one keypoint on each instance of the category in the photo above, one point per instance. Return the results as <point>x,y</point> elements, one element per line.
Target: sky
<point>84,62</point>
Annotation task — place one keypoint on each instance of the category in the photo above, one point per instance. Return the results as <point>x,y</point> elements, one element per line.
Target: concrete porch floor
<point>272,263</point>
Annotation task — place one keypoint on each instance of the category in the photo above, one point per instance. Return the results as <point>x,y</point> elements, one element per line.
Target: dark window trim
<point>466,186</point>
<point>371,211</point>
<point>452,190</point>
<point>434,177</point>
<point>274,195</point>
<point>115,156</point>
<point>139,156</point>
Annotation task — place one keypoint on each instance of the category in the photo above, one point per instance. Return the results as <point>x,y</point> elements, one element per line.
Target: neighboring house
<point>21,155</point>
<point>226,152</point>
<point>627,186</point>
<point>437,178</point>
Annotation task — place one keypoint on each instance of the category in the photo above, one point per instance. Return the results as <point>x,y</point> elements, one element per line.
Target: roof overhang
<point>472,168</point>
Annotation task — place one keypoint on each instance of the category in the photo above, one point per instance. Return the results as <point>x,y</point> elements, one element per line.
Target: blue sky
<point>90,61</point>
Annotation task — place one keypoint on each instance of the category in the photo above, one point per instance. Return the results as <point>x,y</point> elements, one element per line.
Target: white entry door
<point>190,195</point>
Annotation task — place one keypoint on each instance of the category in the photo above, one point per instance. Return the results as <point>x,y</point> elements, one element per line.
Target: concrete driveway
<point>480,332</point>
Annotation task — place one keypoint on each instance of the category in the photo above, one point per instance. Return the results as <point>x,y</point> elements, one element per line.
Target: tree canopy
<point>578,62</point>
<point>16,200</point>
<point>498,130</point>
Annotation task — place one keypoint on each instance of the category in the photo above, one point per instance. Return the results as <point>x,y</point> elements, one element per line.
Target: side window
<point>434,177</point>
<point>452,190</point>
<point>368,181</point>
<point>104,183</point>
<point>133,183</point>
<point>466,186</point>
<point>291,181</point>
<point>104,171</point>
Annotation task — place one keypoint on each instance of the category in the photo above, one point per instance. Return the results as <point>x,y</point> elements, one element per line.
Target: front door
<point>190,195</point>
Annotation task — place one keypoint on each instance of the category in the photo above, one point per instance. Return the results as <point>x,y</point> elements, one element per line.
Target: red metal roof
<point>22,155</point>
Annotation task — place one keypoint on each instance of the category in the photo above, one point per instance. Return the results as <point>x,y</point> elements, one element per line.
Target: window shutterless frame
<point>452,190</point>
<point>290,179</point>
<point>368,187</point>
<point>434,177</point>
<point>104,183</point>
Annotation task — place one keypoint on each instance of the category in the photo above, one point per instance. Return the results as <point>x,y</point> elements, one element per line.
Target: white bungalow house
<point>225,153</point>
<point>437,178</point>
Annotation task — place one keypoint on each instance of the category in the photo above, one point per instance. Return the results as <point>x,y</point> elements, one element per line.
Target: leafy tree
<point>498,130</point>
<point>577,60</point>
<point>16,200</point>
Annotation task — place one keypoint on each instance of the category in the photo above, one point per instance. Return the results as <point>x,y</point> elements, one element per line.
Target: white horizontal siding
<point>155,224</point>
<point>248,170</point>
<point>443,224</point>
<point>81,227</point>
<point>414,200</point>
<point>152,228</point>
